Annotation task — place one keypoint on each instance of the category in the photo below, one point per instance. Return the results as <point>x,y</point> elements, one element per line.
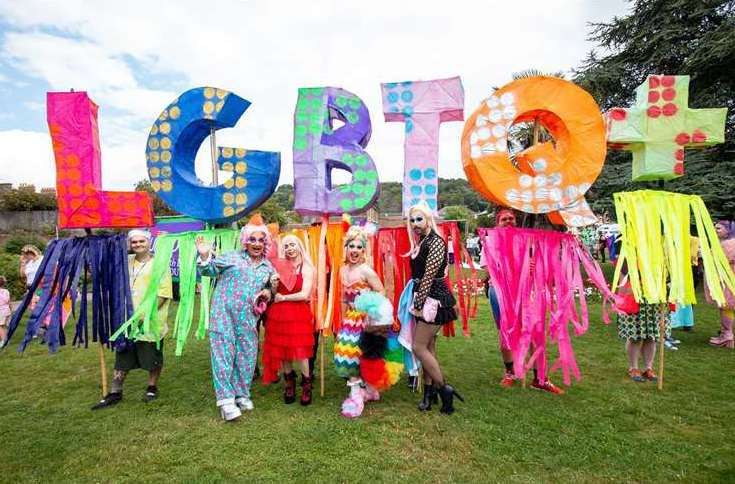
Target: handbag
<point>625,301</point>
<point>431,306</point>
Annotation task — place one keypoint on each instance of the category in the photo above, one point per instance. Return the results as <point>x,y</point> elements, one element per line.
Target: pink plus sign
<point>661,125</point>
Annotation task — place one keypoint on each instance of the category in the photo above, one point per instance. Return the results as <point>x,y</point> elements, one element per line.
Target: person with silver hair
<point>147,351</point>
<point>433,303</point>
<point>240,296</point>
<point>289,321</point>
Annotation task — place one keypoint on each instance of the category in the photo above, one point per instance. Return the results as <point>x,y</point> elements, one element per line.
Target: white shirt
<point>30,270</point>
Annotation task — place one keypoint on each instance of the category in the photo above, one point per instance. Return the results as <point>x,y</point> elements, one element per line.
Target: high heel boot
<point>306,382</point>
<point>447,394</point>
<point>429,398</point>
<point>289,391</point>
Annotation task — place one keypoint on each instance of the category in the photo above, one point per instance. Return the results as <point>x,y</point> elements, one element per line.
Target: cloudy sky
<point>134,57</point>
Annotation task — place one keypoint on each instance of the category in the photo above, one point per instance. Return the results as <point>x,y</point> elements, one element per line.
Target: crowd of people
<point>253,289</point>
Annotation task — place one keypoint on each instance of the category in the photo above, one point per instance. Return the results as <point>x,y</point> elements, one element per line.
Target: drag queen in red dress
<point>289,321</point>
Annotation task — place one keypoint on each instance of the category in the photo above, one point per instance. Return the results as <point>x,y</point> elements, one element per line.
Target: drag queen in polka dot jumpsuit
<point>243,279</point>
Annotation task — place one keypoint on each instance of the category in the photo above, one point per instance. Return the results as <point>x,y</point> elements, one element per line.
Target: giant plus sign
<point>661,125</point>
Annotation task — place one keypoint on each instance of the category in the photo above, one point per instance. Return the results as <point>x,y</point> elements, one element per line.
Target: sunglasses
<point>416,220</point>
<point>253,240</point>
<point>353,246</point>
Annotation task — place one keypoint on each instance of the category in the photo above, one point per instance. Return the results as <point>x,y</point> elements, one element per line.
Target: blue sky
<point>134,57</point>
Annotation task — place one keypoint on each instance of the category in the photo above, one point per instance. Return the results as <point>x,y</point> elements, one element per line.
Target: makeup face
<point>139,245</point>
<point>506,218</point>
<point>419,223</point>
<point>291,249</point>
<point>355,251</point>
<point>255,244</point>
<point>721,230</point>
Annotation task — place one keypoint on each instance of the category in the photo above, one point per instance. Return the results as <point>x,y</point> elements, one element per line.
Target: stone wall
<point>36,221</point>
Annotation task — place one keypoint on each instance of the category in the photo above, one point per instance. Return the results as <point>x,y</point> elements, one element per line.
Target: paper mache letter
<point>422,106</point>
<point>72,121</point>
<point>319,148</point>
<point>661,125</point>
<point>173,142</point>
<point>546,177</point>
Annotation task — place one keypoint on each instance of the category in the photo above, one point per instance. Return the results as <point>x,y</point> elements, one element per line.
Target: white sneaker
<point>229,412</point>
<point>244,403</point>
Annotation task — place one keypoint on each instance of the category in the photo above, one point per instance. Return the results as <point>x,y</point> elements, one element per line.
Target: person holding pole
<point>147,351</point>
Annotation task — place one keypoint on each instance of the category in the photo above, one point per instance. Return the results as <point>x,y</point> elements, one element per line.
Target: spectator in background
<point>30,260</point>
<point>5,311</point>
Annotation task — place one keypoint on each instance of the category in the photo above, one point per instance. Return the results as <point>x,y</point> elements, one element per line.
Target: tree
<point>692,37</point>
<point>25,198</point>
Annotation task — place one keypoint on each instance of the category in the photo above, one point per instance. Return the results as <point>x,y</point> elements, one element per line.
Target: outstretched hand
<point>204,248</point>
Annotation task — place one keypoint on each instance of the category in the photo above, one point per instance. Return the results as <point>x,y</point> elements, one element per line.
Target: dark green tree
<point>682,37</point>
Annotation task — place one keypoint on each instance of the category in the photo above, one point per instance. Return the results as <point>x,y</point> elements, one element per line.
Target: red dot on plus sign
<point>653,82</point>
<point>679,168</point>
<point>669,109</point>
<point>679,155</point>
<point>618,114</point>
<point>682,139</point>
<point>669,94</point>
<point>653,96</point>
<point>653,112</point>
<point>698,136</point>
<point>667,81</point>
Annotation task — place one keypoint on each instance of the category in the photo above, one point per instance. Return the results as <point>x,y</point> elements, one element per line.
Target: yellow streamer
<point>656,244</point>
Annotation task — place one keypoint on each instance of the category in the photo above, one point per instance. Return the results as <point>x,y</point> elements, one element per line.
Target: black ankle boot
<point>289,391</point>
<point>447,394</point>
<point>429,398</point>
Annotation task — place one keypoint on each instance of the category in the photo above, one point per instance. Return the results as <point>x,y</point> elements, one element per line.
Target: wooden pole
<point>321,364</point>
<point>213,153</point>
<point>103,367</point>
<point>661,348</point>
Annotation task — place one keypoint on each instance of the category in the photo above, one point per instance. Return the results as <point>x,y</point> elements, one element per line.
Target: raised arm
<point>207,264</point>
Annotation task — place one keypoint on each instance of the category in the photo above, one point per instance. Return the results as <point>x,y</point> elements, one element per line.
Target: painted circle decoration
<point>545,177</point>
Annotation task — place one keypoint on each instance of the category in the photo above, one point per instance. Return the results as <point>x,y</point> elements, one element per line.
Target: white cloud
<point>264,51</point>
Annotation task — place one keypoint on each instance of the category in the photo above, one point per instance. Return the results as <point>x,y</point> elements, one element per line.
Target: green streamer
<point>145,317</point>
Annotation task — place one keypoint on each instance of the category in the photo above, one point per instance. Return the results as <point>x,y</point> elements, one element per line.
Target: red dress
<point>289,332</point>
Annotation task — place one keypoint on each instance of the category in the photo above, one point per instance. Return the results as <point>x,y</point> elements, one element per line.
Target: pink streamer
<point>538,280</point>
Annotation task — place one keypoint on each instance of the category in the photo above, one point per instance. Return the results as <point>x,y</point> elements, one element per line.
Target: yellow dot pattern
<point>235,198</point>
<point>158,154</point>
<point>214,101</point>
<point>160,146</point>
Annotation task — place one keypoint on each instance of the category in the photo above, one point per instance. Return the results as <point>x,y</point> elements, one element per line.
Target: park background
<point>605,429</point>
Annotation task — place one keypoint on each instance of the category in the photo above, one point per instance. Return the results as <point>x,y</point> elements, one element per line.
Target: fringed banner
<point>656,247</point>
<point>100,261</point>
<point>144,321</point>
<point>538,280</point>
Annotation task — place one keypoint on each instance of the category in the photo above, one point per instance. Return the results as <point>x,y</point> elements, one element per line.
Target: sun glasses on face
<point>254,240</point>
<point>416,220</point>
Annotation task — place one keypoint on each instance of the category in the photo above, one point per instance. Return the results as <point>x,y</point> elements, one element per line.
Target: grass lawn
<point>606,428</point>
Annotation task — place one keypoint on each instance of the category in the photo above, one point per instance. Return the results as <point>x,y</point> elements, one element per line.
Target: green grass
<point>606,428</point>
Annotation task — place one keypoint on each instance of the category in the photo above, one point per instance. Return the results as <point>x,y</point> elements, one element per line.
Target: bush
<point>9,264</point>
<point>19,239</point>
